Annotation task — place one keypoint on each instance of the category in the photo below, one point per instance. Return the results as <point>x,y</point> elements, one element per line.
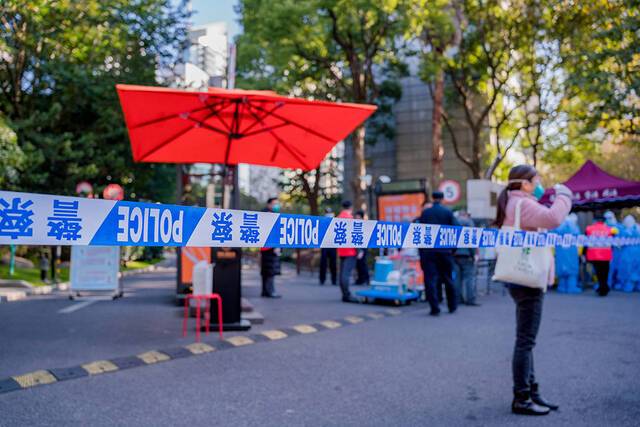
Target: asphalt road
<point>407,370</point>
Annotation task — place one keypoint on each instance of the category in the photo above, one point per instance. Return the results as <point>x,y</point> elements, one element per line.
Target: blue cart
<point>391,283</point>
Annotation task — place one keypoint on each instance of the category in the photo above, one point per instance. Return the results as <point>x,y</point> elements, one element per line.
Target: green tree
<point>313,187</point>
<point>485,75</point>
<point>592,78</point>
<point>59,64</point>
<point>11,157</point>
<point>436,24</point>
<point>331,49</point>
<point>599,46</point>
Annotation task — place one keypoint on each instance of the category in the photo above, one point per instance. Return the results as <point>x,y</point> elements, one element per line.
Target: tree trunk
<point>313,204</point>
<point>359,169</point>
<point>437,149</point>
<point>311,193</point>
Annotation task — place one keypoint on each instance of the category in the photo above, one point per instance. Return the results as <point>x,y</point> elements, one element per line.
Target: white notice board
<point>95,268</point>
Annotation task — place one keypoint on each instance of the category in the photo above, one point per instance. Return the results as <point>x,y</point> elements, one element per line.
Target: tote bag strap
<point>516,224</point>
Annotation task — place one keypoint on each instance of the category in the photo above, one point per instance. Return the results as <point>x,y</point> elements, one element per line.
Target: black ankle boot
<point>535,396</point>
<point>523,405</point>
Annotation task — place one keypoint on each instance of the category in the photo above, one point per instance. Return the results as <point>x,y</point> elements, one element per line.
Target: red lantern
<point>113,192</point>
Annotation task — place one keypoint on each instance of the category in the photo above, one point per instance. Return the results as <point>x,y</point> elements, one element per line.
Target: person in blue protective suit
<point>567,259</point>
<point>610,219</point>
<point>629,264</point>
<point>614,270</point>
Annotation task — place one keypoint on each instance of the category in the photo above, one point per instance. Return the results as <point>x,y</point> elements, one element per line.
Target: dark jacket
<point>437,214</point>
<point>269,262</point>
<point>467,253</point>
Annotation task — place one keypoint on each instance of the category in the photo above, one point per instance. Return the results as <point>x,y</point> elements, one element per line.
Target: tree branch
<point>454,141</point>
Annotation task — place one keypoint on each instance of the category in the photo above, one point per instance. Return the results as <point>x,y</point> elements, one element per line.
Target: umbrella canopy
<point>234,126</point>
<point>594,188</point>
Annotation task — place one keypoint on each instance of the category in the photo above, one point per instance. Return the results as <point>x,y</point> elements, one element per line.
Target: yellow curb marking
<point>239,341</point>
<point>35,378</point>
<point>99,367</point>
<point>330,324</point>
<point>305,329</point>
<point>153,356</point>
<point>199,348</point>
<point>274,335</point>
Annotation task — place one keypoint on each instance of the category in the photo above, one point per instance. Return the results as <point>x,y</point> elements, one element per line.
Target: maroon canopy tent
<point>593,189</point>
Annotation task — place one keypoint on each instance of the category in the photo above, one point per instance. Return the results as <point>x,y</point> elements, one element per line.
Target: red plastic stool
<point>207,313</point>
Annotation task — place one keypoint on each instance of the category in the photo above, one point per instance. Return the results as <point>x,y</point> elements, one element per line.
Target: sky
<point>206,11</point>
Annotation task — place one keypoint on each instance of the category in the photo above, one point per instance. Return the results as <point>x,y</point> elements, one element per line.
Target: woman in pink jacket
<point>524,184</point>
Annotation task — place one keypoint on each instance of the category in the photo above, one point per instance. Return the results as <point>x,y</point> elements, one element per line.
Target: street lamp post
<point>367,182</point>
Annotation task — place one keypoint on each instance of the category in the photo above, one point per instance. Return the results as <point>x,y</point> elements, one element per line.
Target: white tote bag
<point>528,267</point>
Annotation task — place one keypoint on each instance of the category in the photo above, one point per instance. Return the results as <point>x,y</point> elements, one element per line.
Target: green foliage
<point>12,158</point>
<point>549,79</point>
<point>338,50</point>
<point>31,275</point>
<point>61,61</point>
<point>600,52</point>
<point>319,48</point>
<point>307,191</point>
<point>382,122</point>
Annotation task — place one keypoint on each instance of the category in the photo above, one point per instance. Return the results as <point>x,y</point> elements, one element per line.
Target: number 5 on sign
<point>451,191</point>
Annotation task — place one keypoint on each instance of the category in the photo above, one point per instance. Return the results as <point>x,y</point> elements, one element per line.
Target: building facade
<point>408,155</point>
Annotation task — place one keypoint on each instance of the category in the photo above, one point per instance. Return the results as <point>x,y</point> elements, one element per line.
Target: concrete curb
<point>99,367</point>
<point>127,273</point>
<point>11,294</point>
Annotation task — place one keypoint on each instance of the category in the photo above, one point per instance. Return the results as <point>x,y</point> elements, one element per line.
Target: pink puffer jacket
<point>534,216</point>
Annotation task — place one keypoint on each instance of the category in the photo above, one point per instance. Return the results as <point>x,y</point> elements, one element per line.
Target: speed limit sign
<point>451,190</point>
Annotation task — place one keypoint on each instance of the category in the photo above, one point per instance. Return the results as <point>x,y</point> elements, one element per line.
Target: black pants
<point>268,285</point>
<point>528,315</point>
<point>347,263</point>
<point>362,268</point>
<point>43,275</point>
<point>438,266</point>
<point>602,271</point>
<point>328,256</point>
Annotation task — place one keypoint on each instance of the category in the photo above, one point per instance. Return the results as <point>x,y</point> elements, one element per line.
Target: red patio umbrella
<point>234,126</point>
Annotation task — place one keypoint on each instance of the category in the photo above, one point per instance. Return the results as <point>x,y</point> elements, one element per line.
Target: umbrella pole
<point>229,188</point>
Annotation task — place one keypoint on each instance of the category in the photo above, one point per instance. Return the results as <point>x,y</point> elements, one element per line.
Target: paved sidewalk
<point>53,332</point>
<point>404,370</point>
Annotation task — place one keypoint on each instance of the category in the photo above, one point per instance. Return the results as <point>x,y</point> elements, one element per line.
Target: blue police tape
<point>39,219</point>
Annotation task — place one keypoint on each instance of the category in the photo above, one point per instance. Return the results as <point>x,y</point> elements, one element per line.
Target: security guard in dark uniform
<point>270,259</point>
<point>437,264</point>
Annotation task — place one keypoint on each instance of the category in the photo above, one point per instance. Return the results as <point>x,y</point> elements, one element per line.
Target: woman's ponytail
<point>517,174</point>
<point>503,198</point>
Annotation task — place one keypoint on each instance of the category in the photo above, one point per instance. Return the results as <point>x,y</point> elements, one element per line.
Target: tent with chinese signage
<point>594,188</point>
